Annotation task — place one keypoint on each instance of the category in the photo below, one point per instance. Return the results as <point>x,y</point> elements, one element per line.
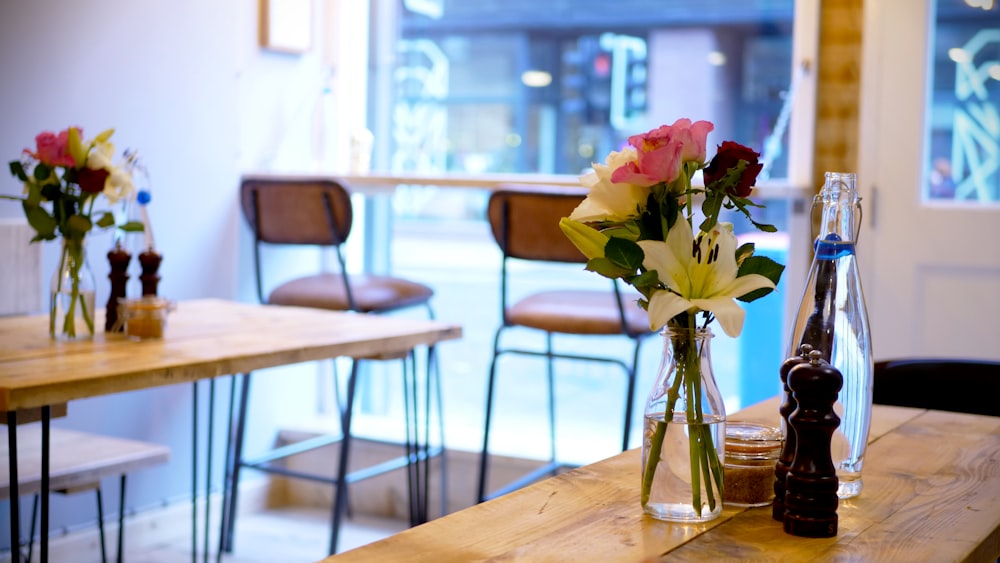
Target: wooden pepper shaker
<point>150,262</point>
<point>788,447</point>
<point>119,259</point>
<point>811,484</point>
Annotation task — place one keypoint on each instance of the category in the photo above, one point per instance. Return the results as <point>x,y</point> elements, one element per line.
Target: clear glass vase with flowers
<point>62,180</point>
<point>639,223</point>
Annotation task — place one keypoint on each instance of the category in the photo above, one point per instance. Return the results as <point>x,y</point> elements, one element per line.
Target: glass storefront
<point>964,119</point>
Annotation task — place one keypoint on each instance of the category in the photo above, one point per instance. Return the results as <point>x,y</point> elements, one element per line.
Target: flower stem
<point>705,467</point>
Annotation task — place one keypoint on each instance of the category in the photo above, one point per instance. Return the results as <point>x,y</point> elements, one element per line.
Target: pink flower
<point>662,153</point>
<point>53,150</point>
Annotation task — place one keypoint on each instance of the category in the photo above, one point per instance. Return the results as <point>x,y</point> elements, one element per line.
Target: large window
<point>551,86</point>
<point>964,160</point>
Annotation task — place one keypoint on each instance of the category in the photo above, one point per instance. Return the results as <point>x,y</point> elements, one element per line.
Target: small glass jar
<point>144,318</point>
<point>752,451</point>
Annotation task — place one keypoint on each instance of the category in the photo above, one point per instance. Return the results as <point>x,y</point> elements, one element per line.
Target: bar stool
<point>318,213</point>
<point>525,224</point>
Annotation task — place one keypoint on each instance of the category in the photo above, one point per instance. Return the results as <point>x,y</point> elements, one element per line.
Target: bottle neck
<point>839,220</point>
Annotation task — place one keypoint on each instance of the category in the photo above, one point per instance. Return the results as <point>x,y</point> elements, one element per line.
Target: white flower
<point>100,156</point>
<point>608,201</point>
<point>699,275</point>
<point>118,186</point>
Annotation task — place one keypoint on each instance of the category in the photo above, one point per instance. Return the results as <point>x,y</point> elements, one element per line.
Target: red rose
<point>91,181</point>
<point>728,157</point>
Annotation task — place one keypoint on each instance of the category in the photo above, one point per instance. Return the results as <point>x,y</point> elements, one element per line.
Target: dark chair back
<point>956,385</point>
<point>313,212</point>
<point>297,212</point>
<point>525,222</point>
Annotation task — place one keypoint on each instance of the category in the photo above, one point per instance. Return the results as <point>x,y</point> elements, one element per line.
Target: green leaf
<point>606,268</point>
<point>625,254</point>
<point>744,251</point>
<point>132,227</point>
<point>760,265</point>
<point>647,279</point>
<point>106,220</point>
<point>42,172</point>
<point>40,220</point>
<point>711,208</point>
<point>77,225</point>
<point>17,169</point>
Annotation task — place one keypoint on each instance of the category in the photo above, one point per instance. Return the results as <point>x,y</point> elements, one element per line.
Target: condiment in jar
<point>145,317</point>
<point>751,453</point>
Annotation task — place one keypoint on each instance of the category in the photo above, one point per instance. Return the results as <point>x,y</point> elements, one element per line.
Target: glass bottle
<point>683,436</point>
<point>833,319</point>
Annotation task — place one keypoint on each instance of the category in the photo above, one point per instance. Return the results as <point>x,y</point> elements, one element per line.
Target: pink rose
<point>729,155</point>
<point>662,153</point>
<point>53,150</point>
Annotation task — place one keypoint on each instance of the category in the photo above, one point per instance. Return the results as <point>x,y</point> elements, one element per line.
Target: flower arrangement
<point>637,224</point>
<point>62,179</point>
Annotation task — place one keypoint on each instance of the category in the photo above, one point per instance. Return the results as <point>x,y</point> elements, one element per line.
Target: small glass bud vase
<point>71,304</point>
<point>685,424</point>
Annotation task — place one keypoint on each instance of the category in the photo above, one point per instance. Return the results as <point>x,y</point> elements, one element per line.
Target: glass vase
<point>684,432</point>
<point>71,304</point>
<point>833,319</point>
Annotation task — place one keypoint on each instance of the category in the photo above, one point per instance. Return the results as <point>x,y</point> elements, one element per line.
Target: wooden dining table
<point>931,493</point>
<point>203,339</point>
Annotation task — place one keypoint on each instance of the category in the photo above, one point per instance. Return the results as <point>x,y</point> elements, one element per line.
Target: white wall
<point>185,83</point>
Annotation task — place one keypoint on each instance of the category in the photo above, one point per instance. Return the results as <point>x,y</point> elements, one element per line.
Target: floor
<point>283,535</point>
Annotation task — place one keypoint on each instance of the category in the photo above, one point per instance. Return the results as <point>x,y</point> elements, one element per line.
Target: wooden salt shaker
<point>811,484</point>
<point>150,262</point>
<point>788,447</point>
<point>119,259</point>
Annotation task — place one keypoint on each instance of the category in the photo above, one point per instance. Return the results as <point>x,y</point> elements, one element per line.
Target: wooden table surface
<point>931,493</point>
<point>203,339</point>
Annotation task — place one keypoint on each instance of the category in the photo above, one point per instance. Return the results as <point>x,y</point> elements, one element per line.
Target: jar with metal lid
<point>752,451</point>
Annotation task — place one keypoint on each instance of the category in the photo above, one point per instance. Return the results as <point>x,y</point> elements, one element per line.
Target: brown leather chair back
<point>315,212</point>
<point>525,222</point>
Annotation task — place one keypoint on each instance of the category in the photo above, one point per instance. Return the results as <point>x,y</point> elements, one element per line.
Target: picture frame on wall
<point>286,25</point>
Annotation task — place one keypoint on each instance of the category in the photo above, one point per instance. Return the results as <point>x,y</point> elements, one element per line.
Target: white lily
<point>608,201</point>
<point>700,275</point>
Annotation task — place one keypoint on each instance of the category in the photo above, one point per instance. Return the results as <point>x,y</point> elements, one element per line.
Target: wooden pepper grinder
<point>788,447</point>
<point>811,484</point>
<point>119,259</point>
<point>150,262</point>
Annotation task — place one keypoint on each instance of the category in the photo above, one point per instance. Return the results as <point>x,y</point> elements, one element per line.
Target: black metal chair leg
<point>15,500</point>
<point>550,372</point>
<point>100,525</point>
<point>31,531</point>
<point>208,466</point>
<point>490,385</point>
<point>630,394</point>
<point>411,443</point>
<point>235,465</point>
<point>194,472</point>
<point>439,396</point>
<point>46,447</point>
<point>121,521</point>
<point>227,462</point>
<point>340,500</point>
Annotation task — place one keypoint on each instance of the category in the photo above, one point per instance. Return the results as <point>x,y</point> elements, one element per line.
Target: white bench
<point>78,462</point>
